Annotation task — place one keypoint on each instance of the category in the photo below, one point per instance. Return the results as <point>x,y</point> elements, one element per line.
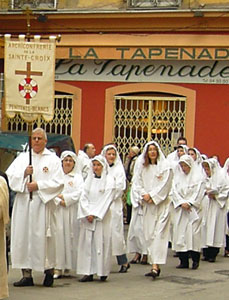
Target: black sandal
<point>154,273</point>
<point>136,259</point>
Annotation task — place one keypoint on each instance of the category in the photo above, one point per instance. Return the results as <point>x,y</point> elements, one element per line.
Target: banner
<point>29,78</point>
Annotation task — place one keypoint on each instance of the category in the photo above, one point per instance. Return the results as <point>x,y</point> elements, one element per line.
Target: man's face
<point>91,151</point>
<point>181,142</point>
<point>38,142</point>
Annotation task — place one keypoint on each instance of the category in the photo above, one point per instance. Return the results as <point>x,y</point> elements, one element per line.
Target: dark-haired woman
<point>152,182</point>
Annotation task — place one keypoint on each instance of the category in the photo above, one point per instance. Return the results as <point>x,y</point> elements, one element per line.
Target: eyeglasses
<point>37,138</point>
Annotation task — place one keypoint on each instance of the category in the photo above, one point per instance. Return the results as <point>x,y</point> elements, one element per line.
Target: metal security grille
<point>61,123</point>
<point>139,119</point>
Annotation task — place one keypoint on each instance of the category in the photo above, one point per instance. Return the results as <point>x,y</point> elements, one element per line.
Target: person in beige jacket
<point>4,219</point>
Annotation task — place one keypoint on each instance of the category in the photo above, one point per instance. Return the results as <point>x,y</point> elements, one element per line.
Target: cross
<point>28,72</point>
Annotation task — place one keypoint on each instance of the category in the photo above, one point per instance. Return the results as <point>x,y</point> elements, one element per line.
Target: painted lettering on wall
<point>152,53</point>
<point>143,71</point>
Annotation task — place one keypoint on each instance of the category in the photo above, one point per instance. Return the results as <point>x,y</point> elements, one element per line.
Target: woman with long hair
<point>152,182</point>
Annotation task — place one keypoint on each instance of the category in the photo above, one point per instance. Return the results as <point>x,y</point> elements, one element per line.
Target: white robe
<point>33,222</point>
<point>84,164</point>
<point>135,240</point>
<point>67,225</point>
<point>156,215</point>
<point>94,251</point>
<point>118,240</point>
<point>4,219</point>
<point>187,224</point>
<point>214,225</point>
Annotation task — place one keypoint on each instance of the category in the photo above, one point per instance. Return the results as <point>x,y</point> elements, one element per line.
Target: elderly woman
<point>187,194</point>
<point>214,209</point>
<point>4,219</point>
<point>152,182</point>
<point>116,170</point>
<point>94,254</point>
<point>67,231</point>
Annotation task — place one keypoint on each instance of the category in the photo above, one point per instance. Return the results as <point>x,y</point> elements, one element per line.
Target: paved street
<point>210,281</point>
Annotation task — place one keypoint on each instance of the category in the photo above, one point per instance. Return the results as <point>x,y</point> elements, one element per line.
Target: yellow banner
<point>29,78</point>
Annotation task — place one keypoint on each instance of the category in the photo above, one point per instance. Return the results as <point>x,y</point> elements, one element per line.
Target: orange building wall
<point>211,122</point>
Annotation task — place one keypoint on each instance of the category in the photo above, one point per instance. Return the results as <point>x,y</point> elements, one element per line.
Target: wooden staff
<point>30,157</point>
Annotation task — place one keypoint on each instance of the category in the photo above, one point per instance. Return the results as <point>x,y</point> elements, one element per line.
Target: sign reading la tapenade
<point>214,72</point>
<point>142,53</point>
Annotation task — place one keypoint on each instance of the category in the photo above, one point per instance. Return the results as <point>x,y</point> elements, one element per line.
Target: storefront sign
<point>152,53</point>
<point>214,72</point>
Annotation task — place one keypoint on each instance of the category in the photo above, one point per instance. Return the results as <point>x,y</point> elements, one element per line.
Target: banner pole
<point>30,156</point>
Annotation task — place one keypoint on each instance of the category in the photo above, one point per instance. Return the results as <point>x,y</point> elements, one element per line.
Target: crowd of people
<point>68,212</point>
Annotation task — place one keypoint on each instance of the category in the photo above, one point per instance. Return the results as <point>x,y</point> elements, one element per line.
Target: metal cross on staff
<point>28,88</point>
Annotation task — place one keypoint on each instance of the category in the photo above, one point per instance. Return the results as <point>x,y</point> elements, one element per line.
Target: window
<point>153,4</point>
<point>33,4</point>
<point>139,119</point>
<point>61,122</point>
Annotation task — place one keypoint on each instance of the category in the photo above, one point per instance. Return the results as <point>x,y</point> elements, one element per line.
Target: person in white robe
<point>173,160</point>
<point>33,220</point>
<point>181,150</point>
<point>226,172</point>
<point>67,225</point>
<point>84,159</point>
<point>116,170</point>
<point>135,239</point>
<point>152,183</point>
<point>173,156</point>
<point>129,169</point>
<point>187,195</point>
<point>94,251</point>
<point>196,155</point>
<point>214,223</point>
<point>4,219</point>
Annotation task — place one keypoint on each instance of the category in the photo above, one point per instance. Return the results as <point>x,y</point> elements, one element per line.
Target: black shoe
<point>212,260</point>
<point>124,268</point>
<point>153,273</point>
<point>136,260</point>
<point>181,266</point>
<point>195,265</point>
<point>25,281</point>
<point>48,281</point>
<point>205,259</point>
<point>103,278</point>
<point>144,260</point>
<point>87,278</point>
